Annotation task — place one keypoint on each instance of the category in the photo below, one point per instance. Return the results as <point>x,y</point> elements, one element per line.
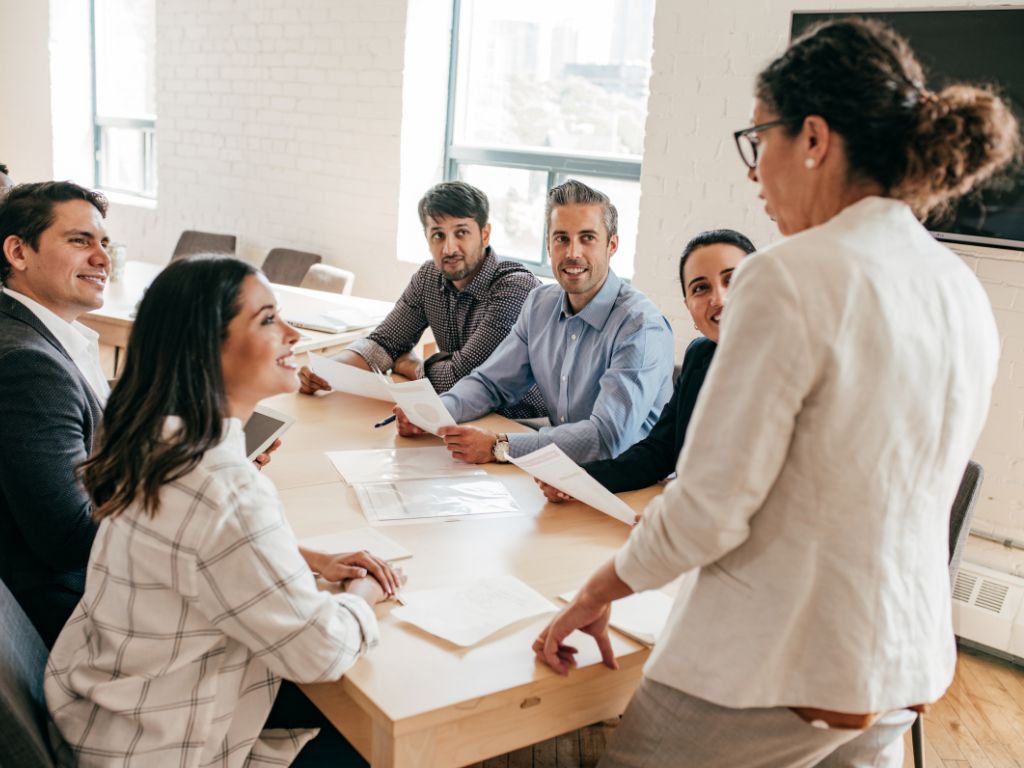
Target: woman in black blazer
<point>705,270</point>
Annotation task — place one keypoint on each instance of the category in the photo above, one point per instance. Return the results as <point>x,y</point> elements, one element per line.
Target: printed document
<point>466,615</point>
<point>436,497</point>
<point>421,405</point>
<point>552,466</point>
<point>383,465</point>
<point>348,378</point>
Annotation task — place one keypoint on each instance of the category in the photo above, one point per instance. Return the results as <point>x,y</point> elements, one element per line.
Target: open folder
<point>550,465</point>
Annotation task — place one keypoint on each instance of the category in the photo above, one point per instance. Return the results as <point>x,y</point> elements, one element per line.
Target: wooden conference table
<point>417,700</point>
<point>113,321</point>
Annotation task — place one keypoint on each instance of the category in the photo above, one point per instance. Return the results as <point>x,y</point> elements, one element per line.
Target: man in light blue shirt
<point>600,352</point>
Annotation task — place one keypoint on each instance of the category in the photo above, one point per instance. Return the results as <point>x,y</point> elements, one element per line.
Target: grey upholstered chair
<point>959,530</point>
<point>324,277</point>
<point>23,718</point>
<point>287,267</point>
<point>192,243</point>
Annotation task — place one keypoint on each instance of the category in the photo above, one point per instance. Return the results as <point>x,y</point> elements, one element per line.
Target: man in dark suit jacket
<point>53,268</point>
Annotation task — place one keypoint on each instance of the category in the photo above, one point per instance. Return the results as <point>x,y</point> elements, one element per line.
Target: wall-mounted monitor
<point>975,47</point>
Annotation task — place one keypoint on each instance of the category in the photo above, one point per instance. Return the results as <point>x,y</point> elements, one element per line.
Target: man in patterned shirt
<point>465,294</point>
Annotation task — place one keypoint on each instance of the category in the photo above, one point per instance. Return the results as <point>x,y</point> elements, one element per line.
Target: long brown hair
<point>172,368</point>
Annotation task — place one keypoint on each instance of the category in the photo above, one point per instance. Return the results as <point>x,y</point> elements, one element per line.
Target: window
<point>124,95</point>
<point>540,92</point>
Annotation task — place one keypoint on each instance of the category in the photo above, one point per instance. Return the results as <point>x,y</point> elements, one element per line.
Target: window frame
<point>144,124</point>
<point>558,165</point>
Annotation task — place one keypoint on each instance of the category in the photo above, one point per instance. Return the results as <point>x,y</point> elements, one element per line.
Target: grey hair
<point>574,192</point>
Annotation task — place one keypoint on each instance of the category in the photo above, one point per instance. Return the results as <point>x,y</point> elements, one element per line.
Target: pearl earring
<point>809,163</point>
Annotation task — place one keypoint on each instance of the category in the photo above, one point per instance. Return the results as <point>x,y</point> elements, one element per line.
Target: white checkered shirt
<point>189,621</point>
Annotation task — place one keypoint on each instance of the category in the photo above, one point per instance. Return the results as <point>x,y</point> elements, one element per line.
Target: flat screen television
<point>976,47</point>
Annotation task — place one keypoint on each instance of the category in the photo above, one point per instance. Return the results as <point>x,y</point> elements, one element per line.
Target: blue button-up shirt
<point>604,373</point>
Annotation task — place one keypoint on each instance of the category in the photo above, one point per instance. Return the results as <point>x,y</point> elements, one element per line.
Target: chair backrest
<point>961,514</point>
<point>287,267</point>
<point>324,277</point>
<point>23,740</point>
<point>192,243</point>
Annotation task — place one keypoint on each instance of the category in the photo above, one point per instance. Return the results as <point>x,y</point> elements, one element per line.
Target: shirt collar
<point>480,286</point>
<point>74,337</point>
<point>596,313</point>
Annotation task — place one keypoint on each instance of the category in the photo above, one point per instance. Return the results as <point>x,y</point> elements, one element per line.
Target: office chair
<point>324,277</point>
<point>192,243</point>
<point>287,267</point>
<point>959,529</point>
<point>23,717</point>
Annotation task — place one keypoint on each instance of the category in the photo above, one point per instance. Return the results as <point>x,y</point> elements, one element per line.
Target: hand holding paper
<point>551,465</point>
<point>348,378</point>
<point>421,405</point>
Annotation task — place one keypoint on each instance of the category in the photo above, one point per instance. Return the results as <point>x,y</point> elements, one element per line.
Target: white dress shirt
<point>79,341</point>
<point>852,381</point>
<point>189,621</point>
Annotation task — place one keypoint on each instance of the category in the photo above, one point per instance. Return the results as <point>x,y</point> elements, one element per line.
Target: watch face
<point>501,451</point>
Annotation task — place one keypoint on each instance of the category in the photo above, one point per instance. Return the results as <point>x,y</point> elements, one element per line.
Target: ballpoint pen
<point>385,422</point>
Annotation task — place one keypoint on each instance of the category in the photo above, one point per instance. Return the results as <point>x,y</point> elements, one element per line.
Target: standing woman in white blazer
<point>197,600</point>
<point>852,380</point>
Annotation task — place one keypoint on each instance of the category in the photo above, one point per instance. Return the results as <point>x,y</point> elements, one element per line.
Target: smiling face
<point>257,355</point>
<point>707,274</point>
<point>68,270</point>
<point>457,246</point>
<point>580,250</point>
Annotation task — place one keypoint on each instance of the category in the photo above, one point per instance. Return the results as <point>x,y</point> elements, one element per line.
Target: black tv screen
<point>974,47</point>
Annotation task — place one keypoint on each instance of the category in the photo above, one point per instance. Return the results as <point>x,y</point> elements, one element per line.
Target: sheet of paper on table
<point>466,615</point>
<point>641,616</point>
<point>390,464</point>
<point>436,497</point>
<point>551,465</point>
<point>421,405</point>
<point>355,540</point>
<point>348,378</point>
<point>354,318</point>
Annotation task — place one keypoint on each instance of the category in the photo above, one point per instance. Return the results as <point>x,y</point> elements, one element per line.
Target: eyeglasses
<point>747,140</point>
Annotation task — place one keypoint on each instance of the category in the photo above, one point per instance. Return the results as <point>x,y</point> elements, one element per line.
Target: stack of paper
<point>390,464</point>
<point>552,466</point>
<point>467,615</point>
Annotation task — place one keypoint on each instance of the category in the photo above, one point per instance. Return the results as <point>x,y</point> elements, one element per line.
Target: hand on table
<point>590,617</point>
<point>370,589</point>
<point>264,458</point>
<point>354,565</point>
<point>552,494</point>
<point>409,365</point>
<point>405,427</point>
<point>472,445</point>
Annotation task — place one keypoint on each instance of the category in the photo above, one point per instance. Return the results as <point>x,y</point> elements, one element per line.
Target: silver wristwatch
<point>500,449</point>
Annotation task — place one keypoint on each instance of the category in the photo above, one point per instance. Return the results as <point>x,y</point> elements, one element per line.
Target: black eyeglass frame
<point>737,135</point>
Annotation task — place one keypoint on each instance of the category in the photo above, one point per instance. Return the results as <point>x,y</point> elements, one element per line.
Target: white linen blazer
<point>851,383</point>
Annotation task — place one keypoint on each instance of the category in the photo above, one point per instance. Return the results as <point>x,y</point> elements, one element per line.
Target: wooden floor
<point>979,723</point>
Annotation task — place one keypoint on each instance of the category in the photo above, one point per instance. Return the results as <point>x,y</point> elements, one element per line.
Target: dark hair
<point>4,169</point>
<point>922,147</point>
<point>26,211</point>
<point>713,237</point>
<point>455,199</point>
<point>574,192</point>
<point>172,367</point>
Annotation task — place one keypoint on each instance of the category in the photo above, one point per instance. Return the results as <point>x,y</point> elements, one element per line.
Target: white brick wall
<point>706,56</point>
<point>279,122</point>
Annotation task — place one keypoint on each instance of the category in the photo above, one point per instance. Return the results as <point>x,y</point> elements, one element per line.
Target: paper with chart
<point>356,540</point>
<point>641,616</point>
<point>421,405</point>
<point>348,378</point>
<point>390,464</point>
<point>466,615</point>
<point>410,501</point>
<point>552,466</point>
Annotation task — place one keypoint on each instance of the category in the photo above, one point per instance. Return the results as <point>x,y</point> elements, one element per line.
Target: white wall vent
<point>988,609</point>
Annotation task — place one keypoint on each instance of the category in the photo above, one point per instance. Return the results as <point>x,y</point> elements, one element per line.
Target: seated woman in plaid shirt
<point>197,600</point>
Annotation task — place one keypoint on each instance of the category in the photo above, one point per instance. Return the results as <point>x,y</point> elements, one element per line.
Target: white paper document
<point>390,464</point>
<point>436,497</point>
<point>421,404</point>
<point>551,465</point>
<point>466,615</point>
<point>348,378</point>
<point>356,540</point>
<point>641,616</point>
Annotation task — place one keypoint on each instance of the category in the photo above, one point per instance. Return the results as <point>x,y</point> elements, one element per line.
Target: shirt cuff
<point>364,615</point>
<point>373,353</point>
<point>522,443</point>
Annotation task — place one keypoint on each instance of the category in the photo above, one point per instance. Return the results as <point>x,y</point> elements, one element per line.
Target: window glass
<point>517,208</point>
